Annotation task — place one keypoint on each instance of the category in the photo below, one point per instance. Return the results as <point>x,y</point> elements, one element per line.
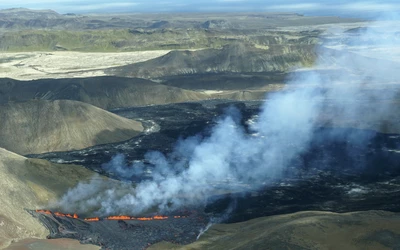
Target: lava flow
<point>125,217</point>
<point>92,219</point>
<point>75,216</point>
<point>123,231</point>
<point>113,217</point>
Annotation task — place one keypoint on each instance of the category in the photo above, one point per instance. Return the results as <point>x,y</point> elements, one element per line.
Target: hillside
<point>104,92</point>
<point>234,58</point>
<point>30,183</point>
<point>41,126</point>
<point>370,230</point>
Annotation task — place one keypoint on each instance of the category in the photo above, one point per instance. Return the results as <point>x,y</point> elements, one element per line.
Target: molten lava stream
<point>113,217</point>
<point>43,211</point>
<point>125,217</point>
<point>143,218</point>
<point>75,216</point>
<point>160,217</point>
<point>92,219</point>
<point>119,217</point>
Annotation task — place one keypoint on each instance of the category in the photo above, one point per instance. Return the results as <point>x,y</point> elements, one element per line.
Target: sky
<point>311,7</point>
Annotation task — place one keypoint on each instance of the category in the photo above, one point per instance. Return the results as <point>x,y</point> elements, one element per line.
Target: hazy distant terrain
<point>50,31</point>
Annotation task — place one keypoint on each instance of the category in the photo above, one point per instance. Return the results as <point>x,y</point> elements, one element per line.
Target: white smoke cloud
<point>200,167</point>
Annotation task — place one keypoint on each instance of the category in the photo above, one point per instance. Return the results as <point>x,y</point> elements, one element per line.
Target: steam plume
<point>200,167</point>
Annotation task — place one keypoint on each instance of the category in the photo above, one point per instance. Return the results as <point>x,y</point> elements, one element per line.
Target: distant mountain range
<point>46,30</point>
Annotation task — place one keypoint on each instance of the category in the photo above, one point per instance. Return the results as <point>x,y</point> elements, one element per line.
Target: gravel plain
<point>63,64</point>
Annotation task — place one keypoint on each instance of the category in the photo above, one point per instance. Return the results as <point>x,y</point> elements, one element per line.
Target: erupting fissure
<point>124,232</point>
<point>43,211</point>
<point>113,217</point>
<point>126,217</point>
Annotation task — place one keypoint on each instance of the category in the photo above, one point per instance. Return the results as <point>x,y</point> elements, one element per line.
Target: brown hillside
<point>369,230</point>
<point>43,126</point>
<point>31,184</point>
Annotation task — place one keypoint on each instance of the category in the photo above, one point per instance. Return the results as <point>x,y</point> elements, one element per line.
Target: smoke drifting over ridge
<point>199,167</point>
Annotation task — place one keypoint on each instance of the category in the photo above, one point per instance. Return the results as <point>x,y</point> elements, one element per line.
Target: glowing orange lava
<point>160,217</point>
<point>143,218</point>
<point>92,219</point>
<point>119,217</point>
<point>43,211</point>
<point>113,217</point>
<point>126,217</point>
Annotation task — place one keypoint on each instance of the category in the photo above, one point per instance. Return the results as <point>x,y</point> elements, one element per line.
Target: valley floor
<point>66,64</point>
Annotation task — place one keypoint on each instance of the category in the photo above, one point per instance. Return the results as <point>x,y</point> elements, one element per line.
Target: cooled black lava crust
<point>125,234</point>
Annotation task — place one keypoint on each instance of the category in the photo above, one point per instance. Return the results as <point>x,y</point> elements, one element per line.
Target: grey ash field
<point>281,131</point>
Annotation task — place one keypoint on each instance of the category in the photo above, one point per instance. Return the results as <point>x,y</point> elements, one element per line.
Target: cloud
<point>310,6</point>
<point>71,5</point>
<point>369,6</point>
<point>230,1</point>
<point>295,7</point>
<point>99,6</point>
<point>360,6</point>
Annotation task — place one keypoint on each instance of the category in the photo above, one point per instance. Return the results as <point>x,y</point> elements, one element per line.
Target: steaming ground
<point>265,152</point>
